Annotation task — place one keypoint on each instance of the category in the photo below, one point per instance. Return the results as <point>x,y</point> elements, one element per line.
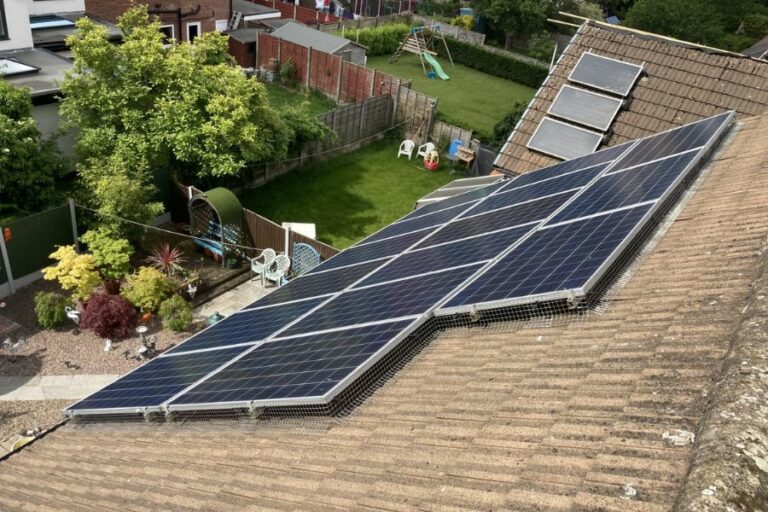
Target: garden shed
<point>216,218</point>
<point>303,35</point>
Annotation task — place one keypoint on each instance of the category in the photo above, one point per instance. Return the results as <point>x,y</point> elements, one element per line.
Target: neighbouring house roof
<point>567,415</point>
<point>44,82</point>
<point>245,35</point>
<point>759,50</point>
<point>305,36</point>
<point>252,11</point>
<point>54,38</point>
<point>683,83</point>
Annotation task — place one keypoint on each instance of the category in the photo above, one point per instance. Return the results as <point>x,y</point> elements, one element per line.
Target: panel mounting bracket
<point>255,411</point>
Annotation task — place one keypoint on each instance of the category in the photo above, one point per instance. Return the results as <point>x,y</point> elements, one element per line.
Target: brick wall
<point>182,12</point>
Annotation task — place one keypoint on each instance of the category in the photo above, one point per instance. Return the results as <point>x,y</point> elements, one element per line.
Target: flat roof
<point>252,11</point>
<point>51,70</point>
<point>245,35</point>
<point>55,36</point>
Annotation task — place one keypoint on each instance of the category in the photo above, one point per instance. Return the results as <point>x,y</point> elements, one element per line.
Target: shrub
<point>147,289</point>
<point>541,46</point>
<point>503,128</point>
<point>109,316</point>
<point>167,259</point>
<point>464,22</point>
<point>49,308</point>
<point>112,255</point>
<point>755,25</point>
<point>75,272</point>
<point>289,76</point>
<point>383,40</point>
<point>176,313</point>
<point>503,66</point>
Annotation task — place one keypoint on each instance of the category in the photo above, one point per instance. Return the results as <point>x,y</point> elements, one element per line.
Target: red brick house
<point>181,19</point>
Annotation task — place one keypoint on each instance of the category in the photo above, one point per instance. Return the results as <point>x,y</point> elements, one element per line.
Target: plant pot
<point>232,264</point>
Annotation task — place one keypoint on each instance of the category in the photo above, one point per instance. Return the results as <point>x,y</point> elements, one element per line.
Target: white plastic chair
<point>425,149</point>
<point>262,261</point>
<point>276,272</point>
<point>406,148</point>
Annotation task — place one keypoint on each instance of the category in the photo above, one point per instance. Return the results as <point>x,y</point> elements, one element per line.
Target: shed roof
<point>684,83</point>
<point>565,416</point>
<point>309,37</point>
<point>759,50</point>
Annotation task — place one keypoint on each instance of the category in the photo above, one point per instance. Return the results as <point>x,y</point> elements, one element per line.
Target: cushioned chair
<point>406,148</point>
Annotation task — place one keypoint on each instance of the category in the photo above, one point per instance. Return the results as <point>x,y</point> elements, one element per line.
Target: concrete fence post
<point>309,64</point>
<point>7,263</point>
<point>338,83</point>
<point>73,217</point>
<point>287,241</point>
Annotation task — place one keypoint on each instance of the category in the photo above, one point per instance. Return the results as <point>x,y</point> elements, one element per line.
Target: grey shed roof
<point>44,82</point>
<point>758,50</point>
<point>303,35</point>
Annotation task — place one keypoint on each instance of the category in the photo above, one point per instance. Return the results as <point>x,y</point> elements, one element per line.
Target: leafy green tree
<point>518,17</point>
<point>29,164</point>
<point>141,107</point>
<point>111,254</point>
<point>541,46</point>
<point>504,127</point>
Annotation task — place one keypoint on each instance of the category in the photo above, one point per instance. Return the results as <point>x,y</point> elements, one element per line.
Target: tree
<point>75,272</point>
<point>109,316</point>
<point>29,164</point>
<point>503,128</point>
<point>518,17</point>
<point>111,254</point>
<point>141,106</point>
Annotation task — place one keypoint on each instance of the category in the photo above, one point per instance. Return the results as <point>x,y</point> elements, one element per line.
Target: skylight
<point>39,22</point>
<point>10,67</point>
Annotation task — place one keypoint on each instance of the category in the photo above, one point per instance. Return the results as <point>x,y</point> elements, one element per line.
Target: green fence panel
<point>35,237</point>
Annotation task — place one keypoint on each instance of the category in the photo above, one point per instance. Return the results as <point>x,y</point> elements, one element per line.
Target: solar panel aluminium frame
<point>580,293</point>
<point>592,86</point>
<point>619,105</point>
<point>569,125</point>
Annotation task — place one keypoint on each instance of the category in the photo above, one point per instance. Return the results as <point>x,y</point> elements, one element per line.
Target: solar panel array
<point>545,235</point>
<point>585,116</point>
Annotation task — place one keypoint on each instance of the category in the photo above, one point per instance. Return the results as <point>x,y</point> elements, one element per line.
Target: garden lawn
<point>470,99</point>
<point>350,196</point>
<point>281,97</point>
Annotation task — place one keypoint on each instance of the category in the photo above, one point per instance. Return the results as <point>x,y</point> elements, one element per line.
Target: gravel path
<point>61,352</point>
<point>18,416</point>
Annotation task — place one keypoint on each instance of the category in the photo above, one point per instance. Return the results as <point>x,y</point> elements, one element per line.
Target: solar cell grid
<point>636,185</point>
<point>560,258</point>
<point>291,368</point>
<point>675,141</point>
<point>372,251</point>
<point>536,190</point>
<point>246,326</point>
<point>425,221</point>
<point>413,296</point>
<point>498,219</point>
<point>158,380</point>
<point>313,285</point>
<point>466,197</point>
<point>472,250</point>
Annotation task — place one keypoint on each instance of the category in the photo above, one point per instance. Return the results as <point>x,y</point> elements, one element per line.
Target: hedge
<point>493,63</point>
<point>383,40</point>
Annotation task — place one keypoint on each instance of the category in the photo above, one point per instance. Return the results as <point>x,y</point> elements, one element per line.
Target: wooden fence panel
<point>267,49</point>
<point>324,72</point>
<point>325,250</point>
<point>450,132</point>
<point>299,13</point>
<point>292,52</point>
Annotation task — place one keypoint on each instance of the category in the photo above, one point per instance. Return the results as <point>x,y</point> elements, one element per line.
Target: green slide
<point>435,65</point>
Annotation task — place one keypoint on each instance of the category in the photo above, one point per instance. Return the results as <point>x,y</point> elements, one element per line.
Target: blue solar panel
<point>499,219</point>
<point>472,195</point>
<point>636,185</point>
<point>536,190</point>
<point>321,283</point>
<point>425,221</point>
<point>563,257</point>
<point>413,296</point>
<point>247,326</point>
<point>372,251</point>
<point>676,141</point>
<point>303,367</point>
<point>158,380</point>
<point>472,250</point>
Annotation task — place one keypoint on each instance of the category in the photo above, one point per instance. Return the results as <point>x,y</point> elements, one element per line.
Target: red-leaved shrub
<point>109,316</point>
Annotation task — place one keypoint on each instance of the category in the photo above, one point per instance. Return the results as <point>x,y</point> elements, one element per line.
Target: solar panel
<point>464,198</point>
<point>316,335</point>
<point>605,74</point>
<point>408,297</point>
<point>319,284</point>
<point>304,369</point>
<point>585,108</point>
<point>563,140</point>
<point>155,382</point>
<point>425,221</point>
<point>246,326</point>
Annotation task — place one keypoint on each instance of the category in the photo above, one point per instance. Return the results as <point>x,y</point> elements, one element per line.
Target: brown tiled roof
<point>684,83</point>
<point>524,418</point>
